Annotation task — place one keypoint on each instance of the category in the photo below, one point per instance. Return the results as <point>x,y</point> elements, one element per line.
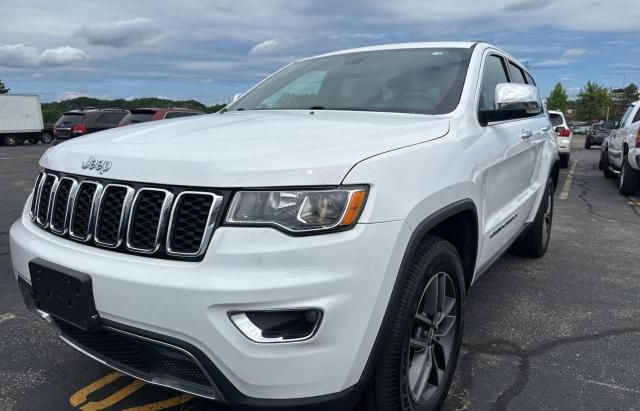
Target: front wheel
<point>534,242</point>
<point>587,143</point>
<point>629,178</point>
<point>423,336</point>
<point>46,138</point>
<point>10,140</point>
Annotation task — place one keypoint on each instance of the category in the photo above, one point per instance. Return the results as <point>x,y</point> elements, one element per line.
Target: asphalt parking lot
<point>561,332</point>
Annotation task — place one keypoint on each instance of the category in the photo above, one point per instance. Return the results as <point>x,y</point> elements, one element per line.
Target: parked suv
<point>598,133</point>
<point>312,243</point>
<point>564,136</point>
<point>620,155</point>
<point>141,115</point>
<point>80,122</point>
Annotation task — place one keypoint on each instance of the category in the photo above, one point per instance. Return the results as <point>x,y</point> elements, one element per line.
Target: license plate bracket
<point>66,294</point>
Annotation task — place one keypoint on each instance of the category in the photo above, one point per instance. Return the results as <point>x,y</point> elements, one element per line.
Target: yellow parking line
<point>81,396</point>
<point>113,398</point>
<point>161,405</point>
<point>567,182</point>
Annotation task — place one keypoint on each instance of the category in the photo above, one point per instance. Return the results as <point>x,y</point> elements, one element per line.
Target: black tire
<point>564,160</point>
<point>629,178</point>
<point>587,143</point>
<point>601,160</point>
<point>436,261</point>
<point>10,140</point>
<point>605,166</point>
<point>46,138</point>
<point>535,240</point>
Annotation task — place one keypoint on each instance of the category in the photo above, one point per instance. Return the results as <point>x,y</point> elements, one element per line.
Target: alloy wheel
<point>432,338</point>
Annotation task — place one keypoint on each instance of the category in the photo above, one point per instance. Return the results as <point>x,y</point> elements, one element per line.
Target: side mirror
<point>616,124</point>
<point>512,101</point>
<point>236,97</point>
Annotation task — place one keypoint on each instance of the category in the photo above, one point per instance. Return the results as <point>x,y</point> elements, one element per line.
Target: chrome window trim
<point>166,205</point>
<point>214,210</point>
<point>92,213</point>
<point>68,210</point>
<point>45,224</point>
<point>123,217</point>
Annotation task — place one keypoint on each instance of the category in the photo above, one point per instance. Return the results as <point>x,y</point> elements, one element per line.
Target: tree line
<point>594,101</point>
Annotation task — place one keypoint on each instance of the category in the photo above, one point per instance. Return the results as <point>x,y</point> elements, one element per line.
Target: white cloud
<point>273,46</point>
<point>19,55</point>
<point>62,56</point>
<point>206,80</point>
<point>68,95</point>
<point>574,52</point>
<point>37,74</point>
<point>122,33</point>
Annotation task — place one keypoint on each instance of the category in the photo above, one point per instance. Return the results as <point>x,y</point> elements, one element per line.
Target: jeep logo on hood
<point>102,166</point>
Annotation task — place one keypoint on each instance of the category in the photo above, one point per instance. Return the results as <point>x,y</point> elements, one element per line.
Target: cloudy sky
<point>211,49</point>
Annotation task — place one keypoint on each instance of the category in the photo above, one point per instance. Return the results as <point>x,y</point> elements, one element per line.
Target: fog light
<point>277,326</point>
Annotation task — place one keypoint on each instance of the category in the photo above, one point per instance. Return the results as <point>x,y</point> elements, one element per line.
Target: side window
<point>176,114</point>
<point>637,116</point>
<point>494,73</point>
<point>110,118</point>
<point>516,74</point>
<point>530,79</point>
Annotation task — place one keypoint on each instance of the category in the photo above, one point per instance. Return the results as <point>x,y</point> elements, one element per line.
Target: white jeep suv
<point>310,244</point>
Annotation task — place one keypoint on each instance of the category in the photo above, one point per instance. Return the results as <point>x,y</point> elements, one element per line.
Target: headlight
<point>298,211</point>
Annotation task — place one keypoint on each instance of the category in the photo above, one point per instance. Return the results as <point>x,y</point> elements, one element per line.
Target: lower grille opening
<point>142,358</point>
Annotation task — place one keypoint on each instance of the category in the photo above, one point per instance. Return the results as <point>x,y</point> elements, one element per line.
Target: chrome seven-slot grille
<point>166,222</point>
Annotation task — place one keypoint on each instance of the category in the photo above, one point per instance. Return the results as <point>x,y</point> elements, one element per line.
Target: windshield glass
<point>425,81</point>
<point>137,117</point>
<point>69,119</point>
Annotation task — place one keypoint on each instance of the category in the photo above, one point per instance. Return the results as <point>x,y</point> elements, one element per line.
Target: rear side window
<point>516,74</point>
<point>494,74</point>
<point>530,79</point>
<point>637,117</point>
<point>68,120</point>
<point>134,118</point>
<point>176,114</point>
<point>110,118</point>
<point>556,119</point>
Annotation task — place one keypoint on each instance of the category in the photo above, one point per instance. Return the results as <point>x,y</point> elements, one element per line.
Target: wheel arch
<point>457,223</point>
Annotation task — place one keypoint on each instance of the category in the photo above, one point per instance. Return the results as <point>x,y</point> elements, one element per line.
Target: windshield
<point>69,119</point>
<point>425,81</point>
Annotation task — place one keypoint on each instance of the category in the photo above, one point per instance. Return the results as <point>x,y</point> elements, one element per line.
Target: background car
<point>580,129</point>
<point>80,122</point>
<point>564,136</point>
<point>598,132</point>
<point>140,115</point>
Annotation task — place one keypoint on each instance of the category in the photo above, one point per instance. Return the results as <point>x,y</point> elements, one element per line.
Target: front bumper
<point>349,275</point>
<point>564,145</point>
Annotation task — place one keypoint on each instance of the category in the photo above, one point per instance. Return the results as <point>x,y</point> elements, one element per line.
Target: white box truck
<point>20,119</point>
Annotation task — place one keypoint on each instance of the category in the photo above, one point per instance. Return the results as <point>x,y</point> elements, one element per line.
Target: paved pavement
<point>561,332</point>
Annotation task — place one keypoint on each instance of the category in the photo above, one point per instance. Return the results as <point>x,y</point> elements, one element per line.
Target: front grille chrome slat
<point>193,219</point>
<point>127,217</point>
<point>84,209</point>
<point>45,197</point>
<point>61,205</point>
<point>113,209</point>
<point>147,219</point>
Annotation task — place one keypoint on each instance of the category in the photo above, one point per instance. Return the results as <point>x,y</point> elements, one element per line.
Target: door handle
<point>546,128</point>
<point>526,133</point>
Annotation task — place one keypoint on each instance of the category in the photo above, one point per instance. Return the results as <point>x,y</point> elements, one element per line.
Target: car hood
<point>245,149</point>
